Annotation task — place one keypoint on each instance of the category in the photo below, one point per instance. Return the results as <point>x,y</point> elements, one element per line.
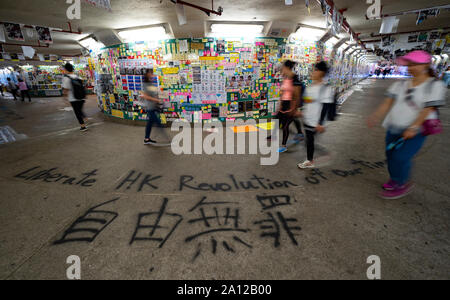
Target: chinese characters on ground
<point>211,225</point>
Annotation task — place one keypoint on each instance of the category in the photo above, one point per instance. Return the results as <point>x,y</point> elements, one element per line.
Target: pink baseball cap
<point>416,57</point>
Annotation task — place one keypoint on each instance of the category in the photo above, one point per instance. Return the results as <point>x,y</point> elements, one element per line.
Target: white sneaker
<point>306,165</point>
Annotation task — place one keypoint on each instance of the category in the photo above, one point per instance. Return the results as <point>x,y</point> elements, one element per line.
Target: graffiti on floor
<point>96,219</point>
<point>9,135</point>
<point>139,181</point>
<point>136,181</point>
<point>316,176</point>
<point>53,176</point>
<point>212,225</point>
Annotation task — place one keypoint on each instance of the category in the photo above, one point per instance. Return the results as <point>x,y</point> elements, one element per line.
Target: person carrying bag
<point>411,114</point>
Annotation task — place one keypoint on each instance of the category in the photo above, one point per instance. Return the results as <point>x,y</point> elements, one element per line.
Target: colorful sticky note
<point>244,128</point>
<point>266,125</point>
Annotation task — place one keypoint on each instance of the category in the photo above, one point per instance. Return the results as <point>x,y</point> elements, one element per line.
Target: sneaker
<point>306,165</point>
<point>83,129</point>
<point>149,142</point>
<point>390,185</point>
<point>398,192</point>
<point>282,149</point>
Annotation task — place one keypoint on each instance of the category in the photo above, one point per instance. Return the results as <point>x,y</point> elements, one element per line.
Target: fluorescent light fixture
<point>143,34</point>
<point>309,33</point>
<point>332,41</point>
<point>343,46</point>
<point>236,30</point>
<point>91,44</point>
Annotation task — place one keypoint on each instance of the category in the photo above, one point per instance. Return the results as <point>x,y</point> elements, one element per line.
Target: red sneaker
<point>398,192</point>
<point>390,185</point>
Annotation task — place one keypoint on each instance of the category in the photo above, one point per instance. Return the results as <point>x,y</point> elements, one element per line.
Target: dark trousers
<point>310,134</point>
<point>152,118</point>
<point>78,110</point>
<point>285,121</point>
<point>27,93</point>
<point>14,93</point>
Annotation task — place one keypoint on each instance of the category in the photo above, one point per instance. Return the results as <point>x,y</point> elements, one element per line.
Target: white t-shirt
<point>314,98</point>
<point>405,112</point>
<point>67,84</point>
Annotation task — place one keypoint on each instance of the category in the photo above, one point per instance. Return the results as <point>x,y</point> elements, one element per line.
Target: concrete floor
<point>336,223</point>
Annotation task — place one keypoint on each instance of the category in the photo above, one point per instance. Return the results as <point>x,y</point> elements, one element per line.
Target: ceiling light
<point>91,44</point>
<point>143,34</point>
<point>309,33</point>
<point>343,46</point>
<point>332,41</point>
<point>236,30</point>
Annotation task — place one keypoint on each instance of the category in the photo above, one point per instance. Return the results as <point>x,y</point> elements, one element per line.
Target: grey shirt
<point>151,90</point>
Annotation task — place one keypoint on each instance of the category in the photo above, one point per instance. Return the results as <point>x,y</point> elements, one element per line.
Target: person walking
<point>314,114</point>
<point>152,104</point>
<point>410,113</point>
<point>24,90</point>
<point>75,93</point>
<point>12,88</point>
<point>288,102</point>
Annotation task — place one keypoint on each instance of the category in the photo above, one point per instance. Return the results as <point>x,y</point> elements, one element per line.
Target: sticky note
<point>266,125</point>
<point>244,128</point>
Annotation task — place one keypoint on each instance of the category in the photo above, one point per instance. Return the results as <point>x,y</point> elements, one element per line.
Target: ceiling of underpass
<point>131,13</point>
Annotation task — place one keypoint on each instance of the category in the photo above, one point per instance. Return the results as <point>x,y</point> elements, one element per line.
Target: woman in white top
<point>316,97</point>
<point>410,105</point>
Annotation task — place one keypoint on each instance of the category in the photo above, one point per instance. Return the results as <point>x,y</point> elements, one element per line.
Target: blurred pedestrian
<point>288,101</point>
<point>75,93</point>
<point>317,96</point>
<point>152,104</point>
<point>410,113</point>
<point>24,90</point>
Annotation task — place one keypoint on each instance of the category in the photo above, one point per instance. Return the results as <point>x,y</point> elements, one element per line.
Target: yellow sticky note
<point>266,125</point>
<point>244,128</point>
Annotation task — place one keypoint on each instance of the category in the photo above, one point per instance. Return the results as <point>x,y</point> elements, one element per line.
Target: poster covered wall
<point>201,80</point>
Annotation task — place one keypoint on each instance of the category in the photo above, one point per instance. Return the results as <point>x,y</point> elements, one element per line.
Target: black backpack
<point>79,92</point>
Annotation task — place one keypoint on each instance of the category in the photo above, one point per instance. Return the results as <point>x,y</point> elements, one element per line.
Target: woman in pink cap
<point>408,111</point>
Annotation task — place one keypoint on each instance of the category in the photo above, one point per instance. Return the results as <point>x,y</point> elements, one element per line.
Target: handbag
<point>432,127</point>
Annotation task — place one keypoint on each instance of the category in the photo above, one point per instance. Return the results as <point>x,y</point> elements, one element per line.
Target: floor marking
<point>9,135</point>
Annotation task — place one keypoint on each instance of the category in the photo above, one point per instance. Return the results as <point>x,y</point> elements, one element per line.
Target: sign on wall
<point>14,32</point>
